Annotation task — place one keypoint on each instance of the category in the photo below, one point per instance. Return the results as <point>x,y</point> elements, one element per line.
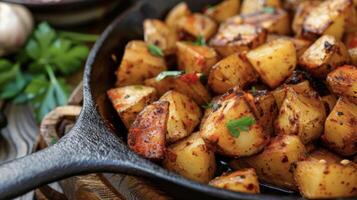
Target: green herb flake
<point>253,90</point>
<point>155,50</point>
<point>236,126</point>
<point>166,74</point>
<point>53,140</point>
<point>207,106</point>
<point>200,41</point>
<point>203,78</point>
<point>270,10</point>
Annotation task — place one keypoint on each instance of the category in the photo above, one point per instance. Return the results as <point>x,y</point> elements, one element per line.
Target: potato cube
<point>300,44</point>
<point>324,55</point>
<point>232,71</point>
<point>128,101</point>
<point>195,58</point>
<point>176,13</point>
<point>266,110</point>
<point>138,64</point>
<point>234,38</point>
<point>340,132</point>
<point>191,158</point>
<point>245,180</point>
<point>353,55</point>
<point>158,33</point>
<point>303,9</point>
<point>197,25</point>
<point>343,81</point>
<point>274,61</point>
<point>184,115</point>
<point>253,6</point>
<point>223,10</point>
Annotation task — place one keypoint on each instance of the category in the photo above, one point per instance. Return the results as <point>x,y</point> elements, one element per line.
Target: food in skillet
<point>243,82</point>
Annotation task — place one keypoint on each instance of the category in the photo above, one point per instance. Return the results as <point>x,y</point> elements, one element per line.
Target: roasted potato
<point>195,58</point>
<point>187,84</point>
<point>341,128</point>
<point>197,25</point>
<point>215,129</point>
<point>280,93</point>
<point>244,180</point>
<point>329,101</point>
<point>158,33</point>
<point>234,38</point>
<point>324,55</point>
<point>300,44</point>
<point>274,61</point>
<point>274,164</point>
<point>146,135</point>
<point>302,10</point>
<point>328,18</point>
<point>252,6</point>
<point>138,64</point>
<point>343,81</point>
<point>191,158</point>
<point>321,179</point>
<point>353,55</point>
<point>128,101</point>
<point>175,14</point>
<point>184,115</point>
<point>223,10</point>
<point>325,155</point>
<point>301,114</point>
<point>265,109</point>
<point>232,71</point>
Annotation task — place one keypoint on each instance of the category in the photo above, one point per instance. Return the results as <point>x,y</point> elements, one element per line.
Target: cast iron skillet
<point>97,143</point>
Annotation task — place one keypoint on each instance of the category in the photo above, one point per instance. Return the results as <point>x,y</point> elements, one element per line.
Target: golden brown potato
<point>329,101</point>
<point>343,81</point>
<point>146,136</point>
<point>328,18</point>
<point>195,58</point>
<point>232,71</point>
<point>184,115</point>
<point>138,64</point>
<point>321,180</point>
<point>179,11</point>
<point>324,55</point>
<point>280,93</point>
<point>266,110</point>
<point>234,38</point>
<point>128,101</point>
<point>302,10</point>
<point>353,55</point>
<point>252,6</point>
<point>191,158</point>
<point>197,25</point>
<point>244,180</point>
<point>341,128</point>
<point>300,44</point>
<point>187,84</point>
<point>274,61</point>
<point>301,114</point>
<point>223,10</point>
<point>215,130</point>
<point>323,154</point>
<point>158,33</point>
<point>273,165</point>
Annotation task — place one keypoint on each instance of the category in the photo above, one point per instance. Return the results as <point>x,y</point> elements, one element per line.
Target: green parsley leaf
<point>270,10</point>
<point>80,37</point>
<point>235,126</point>
<point>200,41</point>
<point>8,72</point>
<point>155,50</point>
<point>166,74</point>
<point>207,106</point>
<point>253,90</point>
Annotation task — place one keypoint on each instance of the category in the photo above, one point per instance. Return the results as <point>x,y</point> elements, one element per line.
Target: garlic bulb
<point>16,24</point>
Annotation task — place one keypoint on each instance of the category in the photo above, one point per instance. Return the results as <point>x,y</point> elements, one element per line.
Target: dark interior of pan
<point>99,77</point>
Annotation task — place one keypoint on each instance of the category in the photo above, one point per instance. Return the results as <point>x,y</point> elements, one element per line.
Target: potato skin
<point>245,180</point>
<point>324,55</point>
<point>231,71</point>
<point>146,136</point>
<point>128,101</point>
<point>176,13</point>
<point>326,180</point>
<point>197,25</point>
<point>343,81</point>
<point>191,158</point>
<point>223,10</point>
<point>233,38</point>
<point>329,102</point>
<point>158,33</point>
<point>194,58</point>
<point>301,114</point>
<point>341,128</point>
<point>184,115</point>
<point>280,92</point>
<point>252,6</point>
<point>302,10</point>
<point>215,132</point>
<point>300,44</point>
<point>324,154</point>
<point>353,55</point>
<point>274,61</point>
<point>138,64</point>
<point>274,164</point>
<point>266,110</point>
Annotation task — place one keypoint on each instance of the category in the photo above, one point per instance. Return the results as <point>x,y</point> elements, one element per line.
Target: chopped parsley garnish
<point>235,126</point>
<point>166,74</point>
<point>270,10</point>
<point>253,90</point>
<point>200,41</point>
<point>155,50</point>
